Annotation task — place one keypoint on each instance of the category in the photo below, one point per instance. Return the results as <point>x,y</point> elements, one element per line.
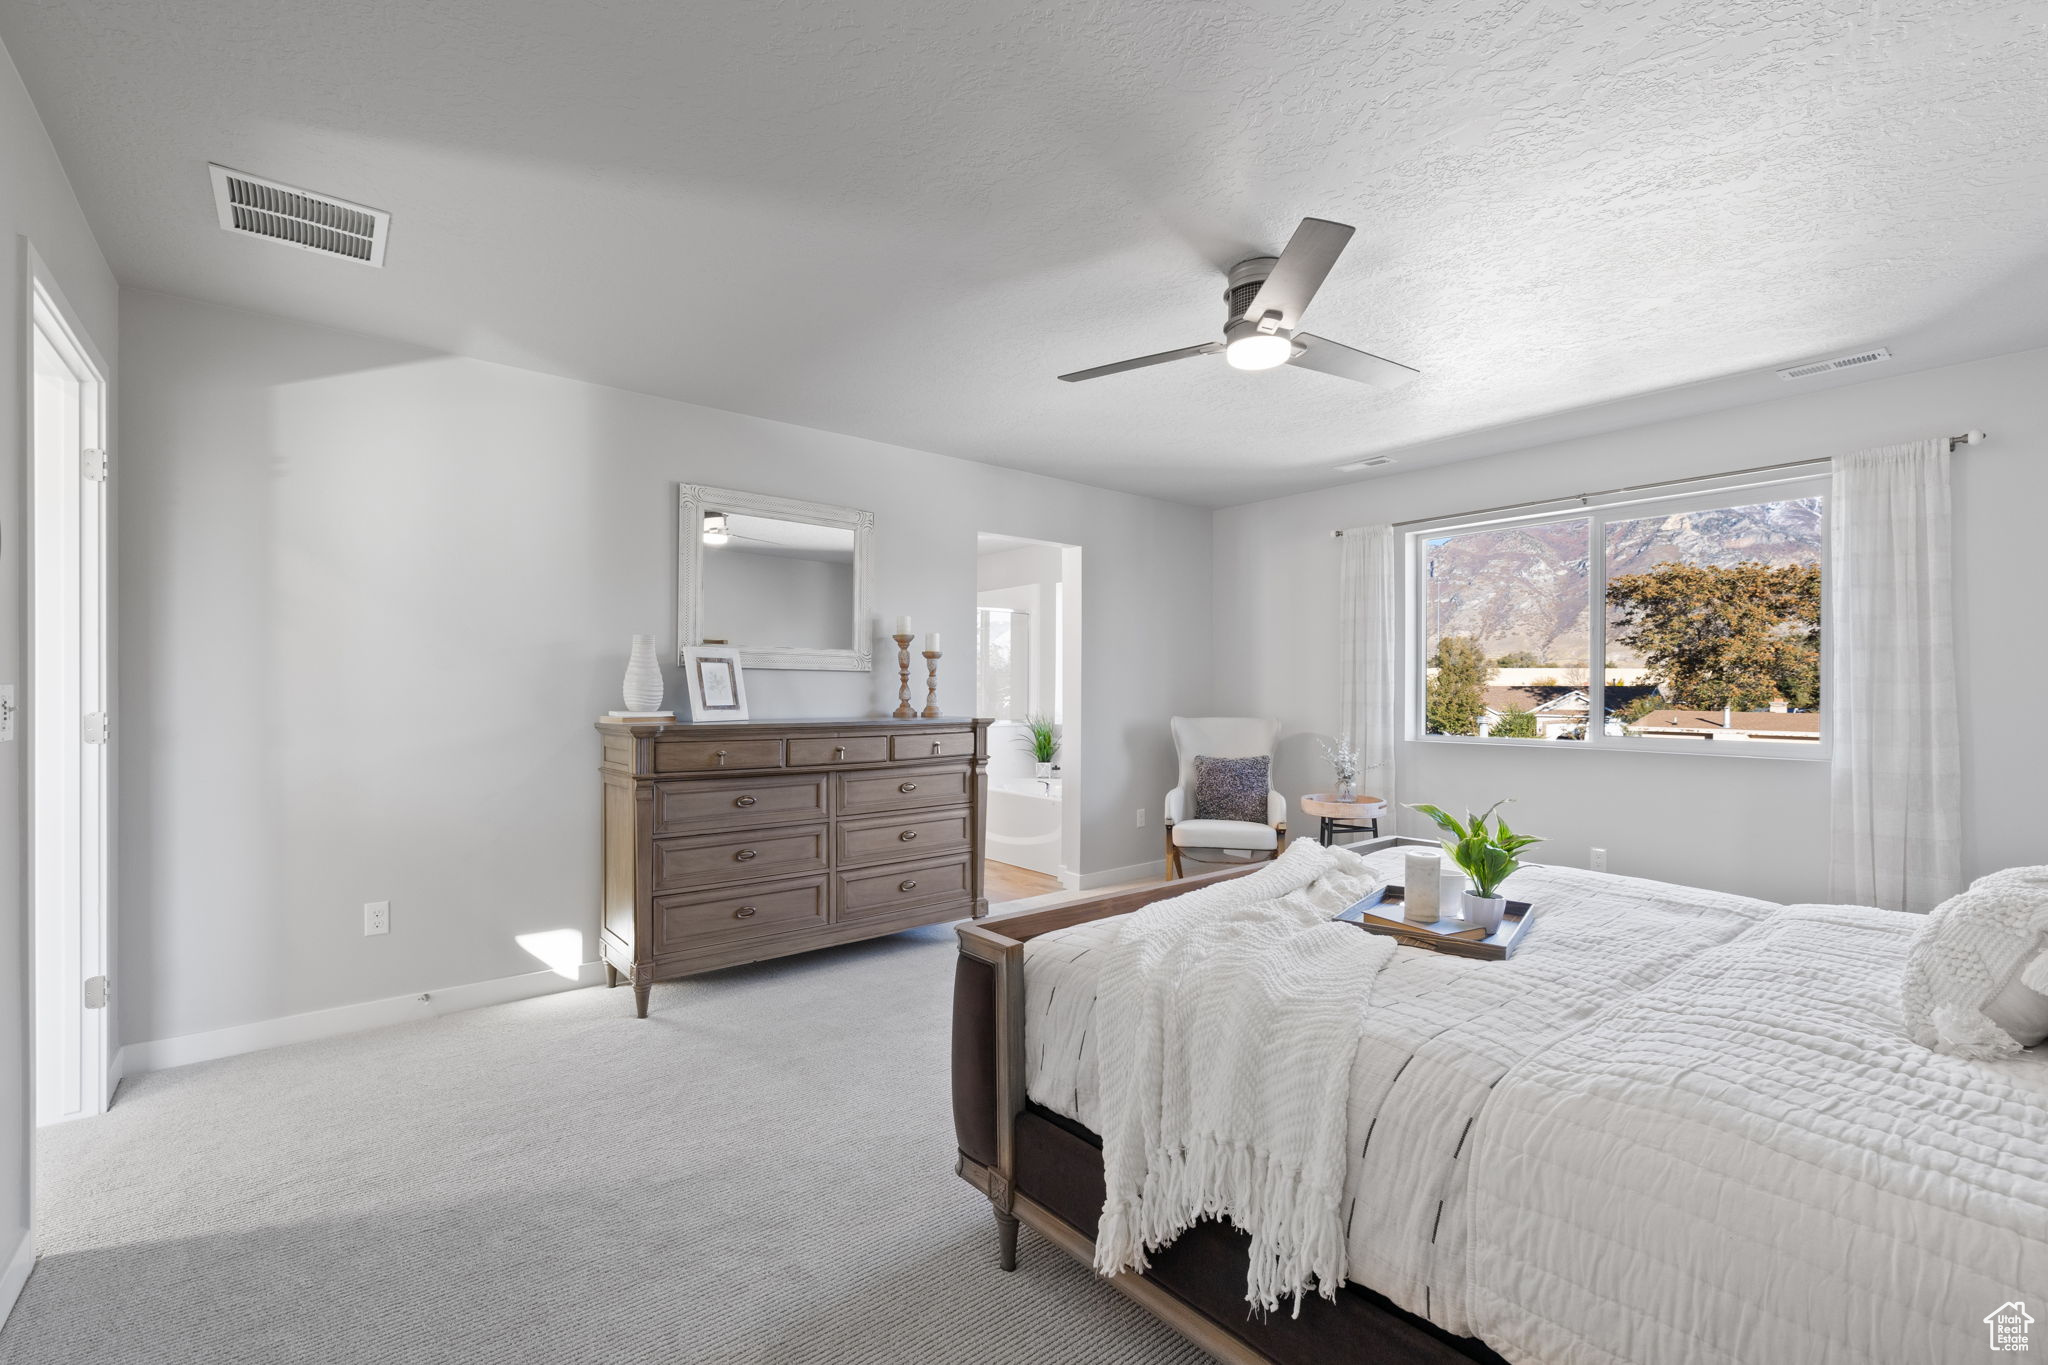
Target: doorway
<point>65,709</point>
<point>1027,681</point>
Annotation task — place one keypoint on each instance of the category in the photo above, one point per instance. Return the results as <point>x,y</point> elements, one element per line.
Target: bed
<point>1677,1125</point>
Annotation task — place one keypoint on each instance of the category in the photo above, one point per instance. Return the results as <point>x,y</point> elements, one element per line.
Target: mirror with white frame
<point>786,582</point>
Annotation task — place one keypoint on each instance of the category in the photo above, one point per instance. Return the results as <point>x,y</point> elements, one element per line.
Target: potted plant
<point>1043,739</point>
<point>1344,762</point>
<point>1486,854</point>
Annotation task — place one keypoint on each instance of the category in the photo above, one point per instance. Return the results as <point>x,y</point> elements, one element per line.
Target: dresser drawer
<point>715,755</point>
<point>903,789</point>
<point>884,891</point>
<point>919,834</point>
<point>953,744</point>
<point>707,860</point>
<point>737,803</point>
<point>687,921</point>
<point>818,753</point>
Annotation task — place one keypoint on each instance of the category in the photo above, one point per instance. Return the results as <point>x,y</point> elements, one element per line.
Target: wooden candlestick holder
<point>931,684</point>
<point>904,710</point>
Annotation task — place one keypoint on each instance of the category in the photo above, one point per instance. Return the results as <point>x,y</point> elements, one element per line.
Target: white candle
<point>1450,899</point>
<point>931,642</point>
<point>1422,878</point>
<point>903,625</point>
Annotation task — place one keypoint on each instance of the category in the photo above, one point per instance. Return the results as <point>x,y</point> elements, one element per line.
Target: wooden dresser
<point>736,842</point>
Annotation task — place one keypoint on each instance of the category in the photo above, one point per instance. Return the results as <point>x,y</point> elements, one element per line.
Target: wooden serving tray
<point>1501,943</point>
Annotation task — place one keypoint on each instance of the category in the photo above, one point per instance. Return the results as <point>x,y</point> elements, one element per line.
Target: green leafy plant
<point>1486,853</point>
<point>1517,722</point>
<point>1042,738</point>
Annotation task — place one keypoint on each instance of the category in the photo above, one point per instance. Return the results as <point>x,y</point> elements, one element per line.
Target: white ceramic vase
<point>1484,911</point>
<point>1044,770</point>
<point>643,677</point>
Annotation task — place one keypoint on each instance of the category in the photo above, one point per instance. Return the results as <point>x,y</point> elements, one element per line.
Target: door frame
<point>46,310</point>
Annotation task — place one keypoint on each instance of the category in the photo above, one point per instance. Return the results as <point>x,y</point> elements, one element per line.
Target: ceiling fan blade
<point>1206,348</point>
<point>1333,357</point>
<point>1310,252</point>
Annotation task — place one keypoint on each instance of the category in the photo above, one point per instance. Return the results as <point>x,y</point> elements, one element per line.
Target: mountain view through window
<point>1711,617</point>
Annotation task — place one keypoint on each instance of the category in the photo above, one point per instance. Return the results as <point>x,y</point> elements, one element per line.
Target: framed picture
<point>718,686</point>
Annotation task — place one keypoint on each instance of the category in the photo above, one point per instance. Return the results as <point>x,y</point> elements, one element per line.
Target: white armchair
<point>1221,737</point>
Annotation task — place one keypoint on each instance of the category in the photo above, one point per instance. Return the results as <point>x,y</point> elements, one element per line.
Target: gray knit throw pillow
<point>1231,788</point>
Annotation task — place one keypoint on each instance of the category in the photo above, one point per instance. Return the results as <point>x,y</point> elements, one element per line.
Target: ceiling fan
<point>1267,296</point>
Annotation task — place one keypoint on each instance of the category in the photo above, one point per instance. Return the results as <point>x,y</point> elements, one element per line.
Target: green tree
<point>1718,635</point>
<point>1518,658</point>
<point>1640,707</point>
<point>1456,695</point>
<point>1515,723</point>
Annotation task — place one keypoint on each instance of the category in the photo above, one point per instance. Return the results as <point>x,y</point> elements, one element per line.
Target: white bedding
<point>1441,1031</point>
<point>1751,1163</point>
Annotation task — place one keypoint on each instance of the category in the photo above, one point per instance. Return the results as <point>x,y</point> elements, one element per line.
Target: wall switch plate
<point>376,917</point>
<point>1598,861</point>
<point>6,712</point>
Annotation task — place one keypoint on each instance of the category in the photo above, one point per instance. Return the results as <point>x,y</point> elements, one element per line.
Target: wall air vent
<point>255,207</point>
<point>1840,362</point>
<point>1376,462</point>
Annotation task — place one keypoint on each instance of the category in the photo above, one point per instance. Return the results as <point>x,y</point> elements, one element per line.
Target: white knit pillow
<point>1976,981</point>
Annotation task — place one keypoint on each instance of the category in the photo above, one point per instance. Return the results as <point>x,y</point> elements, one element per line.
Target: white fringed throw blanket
<point>1227,1020</point>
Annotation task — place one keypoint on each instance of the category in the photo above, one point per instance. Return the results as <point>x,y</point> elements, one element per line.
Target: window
<point>1003,668</point>
<point>1671,624</point>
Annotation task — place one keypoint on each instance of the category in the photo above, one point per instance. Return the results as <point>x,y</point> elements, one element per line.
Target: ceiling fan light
<point>716,530</point>
<point>1259,351</point>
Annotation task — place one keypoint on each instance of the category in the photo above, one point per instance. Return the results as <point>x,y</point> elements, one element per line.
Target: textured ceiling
<point>901,220</point>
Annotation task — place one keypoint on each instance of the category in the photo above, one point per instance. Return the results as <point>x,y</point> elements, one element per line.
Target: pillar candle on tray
<point>1450,898</point>
<point>1421,878</point>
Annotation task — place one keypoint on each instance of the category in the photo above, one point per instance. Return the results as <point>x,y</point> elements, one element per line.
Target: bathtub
<point>1024,823</point>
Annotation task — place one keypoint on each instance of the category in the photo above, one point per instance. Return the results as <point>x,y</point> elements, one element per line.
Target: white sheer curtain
<point>1369,667</point>
<point>1897,784</point>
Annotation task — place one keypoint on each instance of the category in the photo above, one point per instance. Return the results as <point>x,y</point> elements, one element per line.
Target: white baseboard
<point>1117,876</point>
<point>16,1274</point>
<point>136,1058</point>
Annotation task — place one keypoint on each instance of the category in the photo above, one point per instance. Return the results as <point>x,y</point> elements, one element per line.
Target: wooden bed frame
<point>1040,1169</point>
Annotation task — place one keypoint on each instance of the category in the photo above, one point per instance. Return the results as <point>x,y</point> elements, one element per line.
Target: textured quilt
<point>1439,1035</point>
<point>1751,1163</point>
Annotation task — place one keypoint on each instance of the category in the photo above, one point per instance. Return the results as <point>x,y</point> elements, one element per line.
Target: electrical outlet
<point>1599,860</point>
<point>376,917</point>
<point>1141,817</point>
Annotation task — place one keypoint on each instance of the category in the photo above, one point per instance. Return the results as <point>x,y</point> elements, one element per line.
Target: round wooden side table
<point>1360,815</point>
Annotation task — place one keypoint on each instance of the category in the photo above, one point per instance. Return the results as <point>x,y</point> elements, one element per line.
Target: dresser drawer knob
<point>906,886</point>
<point>745,855</point>
<point>744,912</point>
<point>907,787</point>
<point>839,751</point>
<point>935,748</point>
<point>721,758</point>
<point>743,801</point>
<point>907,835</point>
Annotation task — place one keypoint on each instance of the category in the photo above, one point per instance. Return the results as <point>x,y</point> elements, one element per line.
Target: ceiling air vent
<point>255,207</point>
<point>1376,462</point>
<point>1840,362</point>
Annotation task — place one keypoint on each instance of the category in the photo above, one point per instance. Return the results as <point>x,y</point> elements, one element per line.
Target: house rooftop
<point>1805,724</point>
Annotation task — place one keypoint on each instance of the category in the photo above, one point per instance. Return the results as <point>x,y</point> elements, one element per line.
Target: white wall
<point>1749,825</point>
<point>372,599</point>
<point>36,203</point>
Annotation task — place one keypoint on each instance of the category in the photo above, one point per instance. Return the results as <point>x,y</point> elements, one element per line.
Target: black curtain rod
<point>1968,438</point>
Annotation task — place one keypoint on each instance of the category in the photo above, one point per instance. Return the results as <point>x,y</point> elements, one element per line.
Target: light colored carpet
<point>760,1172</point>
